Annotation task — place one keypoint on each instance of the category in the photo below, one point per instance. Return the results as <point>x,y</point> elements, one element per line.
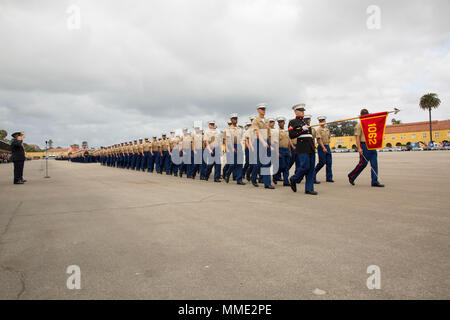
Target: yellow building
<point>403,134</point>
<point>52,153</point>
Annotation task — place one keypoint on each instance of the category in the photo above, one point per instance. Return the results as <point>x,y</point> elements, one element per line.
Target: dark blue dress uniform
<point>304,152</point>
<point>18,158</point>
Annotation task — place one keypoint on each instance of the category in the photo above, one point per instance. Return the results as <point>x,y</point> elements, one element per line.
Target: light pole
<point>46,160</point>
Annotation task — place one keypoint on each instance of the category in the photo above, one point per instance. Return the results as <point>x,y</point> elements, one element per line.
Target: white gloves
<point>305,128</point>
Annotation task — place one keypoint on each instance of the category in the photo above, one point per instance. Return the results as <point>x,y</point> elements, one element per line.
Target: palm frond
<point>429,101</point>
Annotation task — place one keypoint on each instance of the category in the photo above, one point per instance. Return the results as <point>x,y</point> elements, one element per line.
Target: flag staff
<point>395,111</point>
<point>46,160</point>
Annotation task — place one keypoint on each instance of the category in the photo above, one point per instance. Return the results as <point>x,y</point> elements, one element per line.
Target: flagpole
<point>46,160</point>
<point>395,111</point>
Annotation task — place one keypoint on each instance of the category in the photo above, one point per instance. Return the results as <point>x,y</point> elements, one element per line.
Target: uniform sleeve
<point>319,133</point>
<point>294,129</point>
<point>358,130</point>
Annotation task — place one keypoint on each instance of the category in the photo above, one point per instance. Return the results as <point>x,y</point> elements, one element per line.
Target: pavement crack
<point>153,205</point>
<point>21,277</point>
<point>19,274</point>
<point>207,197</point>
<point>10,220</point>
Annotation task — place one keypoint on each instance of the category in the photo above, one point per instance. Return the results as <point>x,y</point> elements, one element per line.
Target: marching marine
<point>304,150</point>
<point>213,147</point>
<point>235,156</point>
<point>284,153</point>
<point>261,125</point>
<point>323,150</point>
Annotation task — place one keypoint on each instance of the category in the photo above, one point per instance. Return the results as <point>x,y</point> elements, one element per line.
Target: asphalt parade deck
<point>141,235</point>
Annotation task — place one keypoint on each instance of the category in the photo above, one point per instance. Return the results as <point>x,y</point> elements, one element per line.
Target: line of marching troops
<point>246,152</point>
<point>250,153</point>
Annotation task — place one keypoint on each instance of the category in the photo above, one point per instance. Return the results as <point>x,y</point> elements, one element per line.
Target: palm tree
<point>427,102</point>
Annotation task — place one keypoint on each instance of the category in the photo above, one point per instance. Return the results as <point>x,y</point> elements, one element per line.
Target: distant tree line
<point>339,129</point>
<point>26,146</point>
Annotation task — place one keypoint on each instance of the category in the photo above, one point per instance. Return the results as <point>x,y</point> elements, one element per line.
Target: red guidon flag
<point>373,128</point>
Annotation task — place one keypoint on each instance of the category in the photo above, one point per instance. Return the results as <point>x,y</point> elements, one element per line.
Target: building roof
<point>418,126</point>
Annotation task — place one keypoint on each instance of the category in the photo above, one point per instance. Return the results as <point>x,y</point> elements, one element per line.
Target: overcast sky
<point>138,68</point>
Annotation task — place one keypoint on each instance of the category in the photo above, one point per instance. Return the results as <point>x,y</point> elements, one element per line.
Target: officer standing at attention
<point>304,150</point>
<point>365,155</point>
<point>18,156</point>
<point>235,156</point>
<point>261,125</point>
<point>323,150</point>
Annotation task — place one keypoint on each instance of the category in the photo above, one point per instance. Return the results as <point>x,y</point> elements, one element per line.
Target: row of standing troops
<point>199,153</point>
